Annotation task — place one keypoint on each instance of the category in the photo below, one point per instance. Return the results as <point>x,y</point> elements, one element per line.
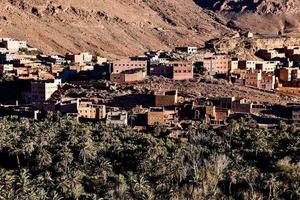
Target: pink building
<point>177,70</point>
<point>182,70</point>
<point>119,66</point>
<point>217,64</point>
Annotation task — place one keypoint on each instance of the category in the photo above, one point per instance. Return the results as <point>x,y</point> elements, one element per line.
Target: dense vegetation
<point>60,158</point>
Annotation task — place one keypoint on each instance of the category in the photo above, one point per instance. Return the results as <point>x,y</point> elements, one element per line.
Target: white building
<point>13,45</point>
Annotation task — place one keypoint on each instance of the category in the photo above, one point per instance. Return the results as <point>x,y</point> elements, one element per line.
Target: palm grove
<point>60,158</point>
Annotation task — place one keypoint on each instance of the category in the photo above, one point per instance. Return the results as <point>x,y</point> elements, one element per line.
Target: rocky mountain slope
<point>111,28</point>
<point>258,6</point>
<point>263,16</point>
<point>116,28</point>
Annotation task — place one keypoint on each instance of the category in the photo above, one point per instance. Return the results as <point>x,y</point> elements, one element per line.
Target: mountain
<point>111,28</point>
<point>116,28</point>
<point>262,16</point>
<point>258,6</point>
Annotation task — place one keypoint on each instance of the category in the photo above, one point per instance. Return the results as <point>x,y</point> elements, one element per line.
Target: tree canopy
<point>60,158</point>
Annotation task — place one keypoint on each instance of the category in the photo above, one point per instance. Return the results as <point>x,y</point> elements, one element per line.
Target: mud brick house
<point>289,74</point>
<point>295,115</point>
<point>90,110</point>
<point>216,115</point>
<point>177,70</point>
<point>84,108</point>
<point>42,90</point>
<point>241,106</point>
<point>156,115</point>
<point>260,80</point>
<point>165,98</point>
<point>117,118</point>
<point>79,59</point>
<point>128,76</point>
<point>235,105</point>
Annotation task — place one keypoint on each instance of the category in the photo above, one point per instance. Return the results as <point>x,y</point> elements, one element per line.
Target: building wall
<point>289,90</point>
<point>217,64</point>
<point>125,64</point>
<point>269,66</point>
<point>156,117</point>
<point>247,64</point>
<point>91,111</point>
<point>42,91</point>
<point>165,100</point>
<point>117,118</point>
<point>127,77</point>
<point>289,74</point>
<point>161,70</point>
<point>267,81</point>
<point>239,107</point>
<point>182,70</point>
<point>253,78</point>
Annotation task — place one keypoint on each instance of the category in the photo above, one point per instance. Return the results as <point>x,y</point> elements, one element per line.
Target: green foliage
<point>60,158</point>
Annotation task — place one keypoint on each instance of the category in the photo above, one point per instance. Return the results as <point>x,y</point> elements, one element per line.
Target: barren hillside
<point>262,16</point>
<point>109,27</point>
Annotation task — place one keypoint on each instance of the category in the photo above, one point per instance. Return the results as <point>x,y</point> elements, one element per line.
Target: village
<point>173,89</point>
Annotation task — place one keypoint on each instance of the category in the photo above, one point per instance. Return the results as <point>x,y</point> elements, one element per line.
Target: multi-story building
<point>42,90</point>
<point>247,64</point>
<point>253,78</point>
<point>267,81</point>
<point>182,70</point>
<point>233,65</point>
<point>267,66</point>
<point>177,70</point>
<point>161,69</point>
<point>75,58</point>
<point>217,64</point>
<point>13,45</point>
<point>260,80</point>
<point>268,54</point>
<point>89,110</point>
<point>216,115</point>
<point>119,66</point>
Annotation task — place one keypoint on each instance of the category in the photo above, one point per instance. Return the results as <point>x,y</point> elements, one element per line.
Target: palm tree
<point>88,151</point>
<point>43,158</point>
